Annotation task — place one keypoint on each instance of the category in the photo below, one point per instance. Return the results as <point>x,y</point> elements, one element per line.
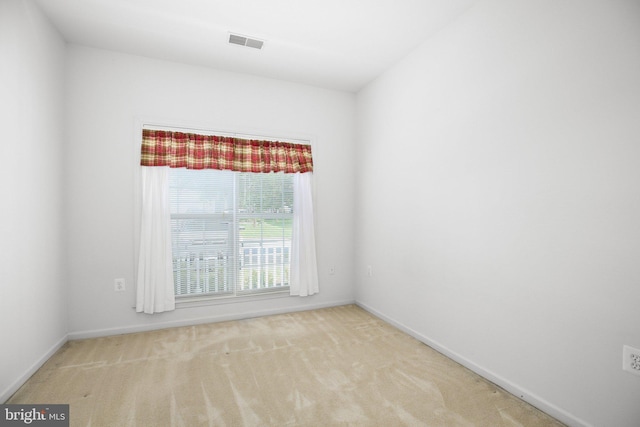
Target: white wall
<point>33,319</point>
<point>107,93</point>
<point>498,200</point>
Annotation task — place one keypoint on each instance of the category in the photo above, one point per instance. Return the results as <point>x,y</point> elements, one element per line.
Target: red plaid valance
<point>193,151</point>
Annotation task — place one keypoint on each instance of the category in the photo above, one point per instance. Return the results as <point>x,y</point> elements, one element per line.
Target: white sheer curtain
<point>155,292</point>
<point>304,268</point>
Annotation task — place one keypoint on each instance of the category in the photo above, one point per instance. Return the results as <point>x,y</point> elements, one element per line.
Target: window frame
<point>234,246</point>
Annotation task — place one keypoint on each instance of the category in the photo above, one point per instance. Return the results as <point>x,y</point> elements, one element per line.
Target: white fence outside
<point>210,269</point>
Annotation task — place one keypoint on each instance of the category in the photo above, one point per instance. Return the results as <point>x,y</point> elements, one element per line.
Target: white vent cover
<point>245,41</point>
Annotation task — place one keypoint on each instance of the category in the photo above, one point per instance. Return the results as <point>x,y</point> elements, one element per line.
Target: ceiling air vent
<point>245,41</point>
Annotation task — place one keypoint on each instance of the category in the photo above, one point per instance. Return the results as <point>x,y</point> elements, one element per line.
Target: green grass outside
<point>267,229</point>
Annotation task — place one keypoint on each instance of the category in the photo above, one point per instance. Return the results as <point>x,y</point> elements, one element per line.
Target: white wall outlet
<point>631,359</point>
<point>332,269</point>
<point>119,285</point>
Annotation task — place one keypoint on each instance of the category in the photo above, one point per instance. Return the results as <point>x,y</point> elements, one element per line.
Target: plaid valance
<point>194,151</point>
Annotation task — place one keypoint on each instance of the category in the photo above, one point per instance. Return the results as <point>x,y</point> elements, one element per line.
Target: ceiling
<point>337,44</point>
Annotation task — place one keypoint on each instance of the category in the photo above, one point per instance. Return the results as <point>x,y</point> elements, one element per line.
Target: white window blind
<point>231,231</point>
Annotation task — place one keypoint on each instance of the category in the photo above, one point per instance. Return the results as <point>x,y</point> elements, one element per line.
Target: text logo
<point>34,415</point>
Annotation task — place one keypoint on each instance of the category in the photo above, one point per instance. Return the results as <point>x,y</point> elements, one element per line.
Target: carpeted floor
<point>332,367</point>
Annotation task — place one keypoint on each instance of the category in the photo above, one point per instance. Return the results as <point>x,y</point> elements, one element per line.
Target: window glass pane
<point>265,210</point>
<point>201,191</point>
<point>201,230</point>
<point>202,256</point>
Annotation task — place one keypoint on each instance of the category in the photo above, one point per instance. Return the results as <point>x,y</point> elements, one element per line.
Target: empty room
<point>281,212</point>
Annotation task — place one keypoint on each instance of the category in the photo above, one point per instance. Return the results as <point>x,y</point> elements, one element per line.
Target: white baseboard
<point>9,391</point>
<point>534,400</point>
<point>196,321</point>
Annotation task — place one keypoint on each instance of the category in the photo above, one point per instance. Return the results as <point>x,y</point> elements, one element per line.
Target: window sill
<point>205,300</point>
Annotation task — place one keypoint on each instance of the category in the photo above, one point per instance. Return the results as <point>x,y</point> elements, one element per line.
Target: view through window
<point>231,231</point>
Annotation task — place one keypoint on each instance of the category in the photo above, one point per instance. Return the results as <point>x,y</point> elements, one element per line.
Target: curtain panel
<point>194,151</point>
<point>154,291</point>
<point>304,268</point>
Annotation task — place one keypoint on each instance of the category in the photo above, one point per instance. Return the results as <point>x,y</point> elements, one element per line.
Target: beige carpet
<point>332,367</point>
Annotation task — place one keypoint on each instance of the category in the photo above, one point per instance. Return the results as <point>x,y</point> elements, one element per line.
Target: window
<point>230,231</point>
<point>218,217</point>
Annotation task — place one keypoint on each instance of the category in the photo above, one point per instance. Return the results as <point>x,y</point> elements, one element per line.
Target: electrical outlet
<point>332,269</point>
<point>119,285</point>
<point>631,359</point>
